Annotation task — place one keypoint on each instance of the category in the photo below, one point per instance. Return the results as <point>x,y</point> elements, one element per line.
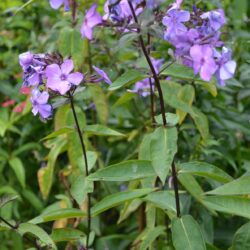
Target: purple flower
<point>103,75</point>
<point>176,5</point>
<point>203,61</point>
<point>174,21</point>
<point>40,104</point>
<point>216,18</point>
<point>25,59</point>
<point>60,79</point>
<point>91,20</point>
<point>56,4</point>
<point>226,66</point>
<point>153,4</point>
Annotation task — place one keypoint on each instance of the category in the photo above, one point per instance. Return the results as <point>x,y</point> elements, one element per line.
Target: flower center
<point>63,77</point>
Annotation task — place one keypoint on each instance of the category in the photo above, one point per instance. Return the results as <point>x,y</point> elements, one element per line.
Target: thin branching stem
<point>71,98</point>
<point>163,113</point>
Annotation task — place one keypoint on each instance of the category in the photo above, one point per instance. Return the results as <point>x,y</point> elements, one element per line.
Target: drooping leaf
<point>17,165</point>
<point>241,240</point>
<point>186,94</point>
<point>124,171</point>
<point>129,77</point>
<point>117,199</point>
<point>162,199</point>
<point>231,205</point>
<point>101,130</point>
<point>240,186</point>
<point>205,170</point>
<point>38,232</point>
<point>63,213</point>
<point>186,234</point>
<point>163,149</point>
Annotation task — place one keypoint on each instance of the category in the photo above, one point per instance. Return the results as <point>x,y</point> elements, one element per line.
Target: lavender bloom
<point>203,61</point>
<point>153,4</point>
<point>103,75</point>
<point>174,21</point>
<point>60,79</point>
<point>216,18</point>
<point>40,104</point>
<point>226,66</point>
<point>91,20</point>
<point>25,59</point>
<point>56,4</point>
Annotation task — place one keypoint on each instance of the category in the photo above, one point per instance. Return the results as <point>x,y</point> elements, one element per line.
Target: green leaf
<point>172,119</point>
<point>231,205</point>
<point>186,95</point>
<point>24,6</point>
<point>117,199</point>
<point>101,103</point>
<point>72,45</point>
<point>17,165</point>
<point>241,240</point>
<point>163,149</point>
<point>37,232</point>
<point>205,170</point>
<point>58,132</point>
<point>45,174</point>
<point>33,199</point>
<point>101,130</point>
<point>186,234</point>
<point>170,94</point>
<point>26,147</point>
<point>162,199</point>
<point>240,186</point>
<point>124,98</point>
<point>6,199</point>
<point>201,122</point>
<point>124,171</point>
<point>129,77</point>
<point>150,236</point>
<point>81,186</point>
<point>66,234</point>
<point>63,213</point>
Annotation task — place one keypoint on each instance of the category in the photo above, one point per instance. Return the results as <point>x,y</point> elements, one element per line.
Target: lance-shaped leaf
<point>66,234</point>
<point>205,170</point>
<point>240,186</point>
<point>186,234</point>
<point>124,171</point>
<point>61,131</point>
<point>17,165</point>
<point>7,198</point>
<point>101,130</point>
<point>163,149</point>
<point>129,77</point>
<point>116,199</point>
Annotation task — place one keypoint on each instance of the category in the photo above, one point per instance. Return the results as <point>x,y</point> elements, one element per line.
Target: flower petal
<point>53,71</point>
<point>227,70</point>
<point>67,66</point>
<point>75,78</point>
<point>45,110</point>
<point>55,4</point>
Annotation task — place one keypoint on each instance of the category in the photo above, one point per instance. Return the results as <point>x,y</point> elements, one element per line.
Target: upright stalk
<point>163,113</point>
<point>71,98</point>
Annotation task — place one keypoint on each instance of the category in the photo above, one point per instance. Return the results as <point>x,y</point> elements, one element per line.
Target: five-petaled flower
<point>60,79</point>
<point>40,104</point>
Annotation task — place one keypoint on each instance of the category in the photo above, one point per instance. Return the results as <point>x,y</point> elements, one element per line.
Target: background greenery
<point>39,171</point>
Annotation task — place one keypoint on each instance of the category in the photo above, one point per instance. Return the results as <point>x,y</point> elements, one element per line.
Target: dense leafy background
<point>39,171</point>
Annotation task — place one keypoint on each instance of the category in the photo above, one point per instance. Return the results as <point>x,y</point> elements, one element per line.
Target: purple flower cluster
<point>49,74</point>
<point>196,38</point>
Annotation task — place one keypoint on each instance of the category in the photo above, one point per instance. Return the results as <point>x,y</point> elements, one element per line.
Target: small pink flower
<point>20,107</point>
<point>8,103</point>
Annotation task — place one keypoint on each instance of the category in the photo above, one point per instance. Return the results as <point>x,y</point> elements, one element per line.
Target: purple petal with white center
<point>67,66</point>
<point>75,78</point>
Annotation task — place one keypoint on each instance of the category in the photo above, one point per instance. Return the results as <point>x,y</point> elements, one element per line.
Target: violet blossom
<point>60,79</point>
<point>56,4</point>
<point>92,19</point>
<point>203,61</point>
<point>103,75</point>
<point>40,104</point>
